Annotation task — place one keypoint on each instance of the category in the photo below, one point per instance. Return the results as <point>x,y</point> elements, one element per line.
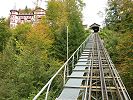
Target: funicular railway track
<point>101,80</point>
<point>93,77</point>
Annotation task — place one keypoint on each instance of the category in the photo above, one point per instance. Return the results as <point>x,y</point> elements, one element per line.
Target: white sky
<point>90,12</point>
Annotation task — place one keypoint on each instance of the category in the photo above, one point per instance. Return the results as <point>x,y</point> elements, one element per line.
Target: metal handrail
<point>48,84</point>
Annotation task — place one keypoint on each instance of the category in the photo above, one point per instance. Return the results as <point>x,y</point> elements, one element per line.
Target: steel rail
<point>114,72</point>
<point>87,82</point>
<point>97,51</point>
<point>126,95</point>
<point>101,78</point>
<point>103,84</point>
<point>124,91</point>
<point>89,98</point>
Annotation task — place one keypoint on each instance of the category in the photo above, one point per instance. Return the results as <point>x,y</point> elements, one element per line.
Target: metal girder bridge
<point>88,74</point>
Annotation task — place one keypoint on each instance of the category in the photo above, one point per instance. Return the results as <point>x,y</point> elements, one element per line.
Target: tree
<point>61,14</point>
<point>119,15</point>
<point>26,63</point>
<point>76,30</point>
<point>26,10</point>
<point>5,33</point>
<point>119,20</point>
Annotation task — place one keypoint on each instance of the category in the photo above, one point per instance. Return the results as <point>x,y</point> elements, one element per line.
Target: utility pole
<point>67,44</point>
<point>67,52</point>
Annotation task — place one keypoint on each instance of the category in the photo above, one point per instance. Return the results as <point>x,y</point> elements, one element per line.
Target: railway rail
<point>89,74</point>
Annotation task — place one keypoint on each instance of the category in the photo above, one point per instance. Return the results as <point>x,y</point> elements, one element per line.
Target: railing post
<point>48,90</point>
<point>65,75</point>
<point>83,45</point>
<point>80,50</point>
<point>73,62</point>
<point>67,69</point>
<point>77,55</point>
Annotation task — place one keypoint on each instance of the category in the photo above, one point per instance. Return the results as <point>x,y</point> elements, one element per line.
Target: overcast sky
<point>92,9</point>
<point>90,13</point>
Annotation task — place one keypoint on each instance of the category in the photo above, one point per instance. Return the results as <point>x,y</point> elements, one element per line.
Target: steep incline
<point>88,74</point>
<point>94,76</point>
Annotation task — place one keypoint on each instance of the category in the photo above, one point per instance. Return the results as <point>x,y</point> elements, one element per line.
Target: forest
<point>118,38</point>
<point>31,54</point>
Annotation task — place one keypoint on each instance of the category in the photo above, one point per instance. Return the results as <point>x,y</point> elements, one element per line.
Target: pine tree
<point>119,20</point>
<point>61,14</point>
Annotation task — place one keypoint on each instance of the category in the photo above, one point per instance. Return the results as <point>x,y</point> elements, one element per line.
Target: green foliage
<point>120,49</point>
<point>76,30</point>
<point>4,33</point>
<point>120,15</point>
<point>61,14</point>
<point>31,54</point>
<point>25,64</point>
<point>119,20</point>
<point>26,10</point>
